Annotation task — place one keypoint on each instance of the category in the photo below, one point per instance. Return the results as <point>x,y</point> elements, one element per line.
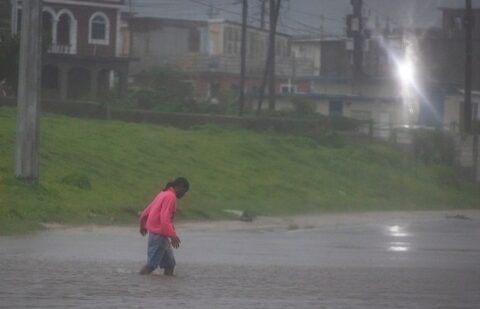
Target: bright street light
<point>406,72</point>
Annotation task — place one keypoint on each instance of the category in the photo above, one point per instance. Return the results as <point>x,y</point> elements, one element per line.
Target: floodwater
<point>389,260</point>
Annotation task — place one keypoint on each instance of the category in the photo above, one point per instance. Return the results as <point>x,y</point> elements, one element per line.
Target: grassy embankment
<point>105,171</point>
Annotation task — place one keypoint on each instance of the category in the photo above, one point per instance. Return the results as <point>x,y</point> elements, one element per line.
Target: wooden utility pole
<point>262,13</point>
<point>322,26</point>
<point>476,173</point>
<point>470,112</point>
<point>243,55</point>
<point>269,72</point>
<point>357,29</point>
<point>467,106</point>
<point>28,97</point>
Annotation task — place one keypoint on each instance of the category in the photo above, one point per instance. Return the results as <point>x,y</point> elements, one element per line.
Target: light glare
<point>406,72</point>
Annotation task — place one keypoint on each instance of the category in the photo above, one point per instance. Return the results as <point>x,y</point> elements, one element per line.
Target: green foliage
<point>95,171</point>
<point>161,89</point>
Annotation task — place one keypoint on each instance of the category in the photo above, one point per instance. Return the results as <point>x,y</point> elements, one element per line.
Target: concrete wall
<point>378,101</point>
<point>156,42</point>
<point>451,115</point>
<point>309,51</point>
<point>380,113</point>
<point>453,110</point>
<point>368,88</point>
<point>158,47</point>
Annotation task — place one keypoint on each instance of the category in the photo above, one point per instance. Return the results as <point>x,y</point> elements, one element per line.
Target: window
<point>19,21</point>
<point>281,47</point>
<point>288,89</point>
<point>232,40</point>
<point>63,30</point>
<point>458,23</point>
<point>99,32</point>
<point>335,108</point>
<point>253,44</point>
<point>47,27</point>
<point>194,40</point>
<point>99,28</point>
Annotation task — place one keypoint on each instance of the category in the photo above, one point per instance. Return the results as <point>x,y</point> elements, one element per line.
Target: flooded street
<point>382,260</point>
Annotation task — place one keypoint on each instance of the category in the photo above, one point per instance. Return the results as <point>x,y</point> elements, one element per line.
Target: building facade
<point>86,52</point>
<point>209,52</point>
<point>5,17</point>
<point>334,90</point>
<point>442,54</point>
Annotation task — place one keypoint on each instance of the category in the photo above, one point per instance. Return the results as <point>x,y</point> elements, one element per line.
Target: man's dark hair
<point>179,182</point>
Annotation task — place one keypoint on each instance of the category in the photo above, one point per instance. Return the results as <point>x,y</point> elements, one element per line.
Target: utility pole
<point>243,54</point>
<point>28,97</point>
<point>262,13</point>
<point>356,28</point>
<point>470,111</point>
<point>271,73</point>
<point>322,26</point>
<point>467,106</point>
<point>270,58</point>
<point>476,173</point>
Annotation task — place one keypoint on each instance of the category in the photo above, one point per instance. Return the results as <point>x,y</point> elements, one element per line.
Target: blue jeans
<point>159,252</point>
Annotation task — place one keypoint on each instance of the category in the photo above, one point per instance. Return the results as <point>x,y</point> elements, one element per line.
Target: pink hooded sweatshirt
<point>158,216</point>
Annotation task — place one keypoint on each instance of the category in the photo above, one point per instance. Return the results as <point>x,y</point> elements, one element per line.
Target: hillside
<point>106,171</point>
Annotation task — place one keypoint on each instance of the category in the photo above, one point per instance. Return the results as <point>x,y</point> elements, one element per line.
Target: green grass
<point>103,171</point>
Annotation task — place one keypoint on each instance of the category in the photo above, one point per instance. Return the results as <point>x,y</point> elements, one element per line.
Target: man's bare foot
<point>168,271</point>
<point>146,270</point>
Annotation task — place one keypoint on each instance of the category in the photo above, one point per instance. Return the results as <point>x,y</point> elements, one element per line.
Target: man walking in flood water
<point>157,220</point>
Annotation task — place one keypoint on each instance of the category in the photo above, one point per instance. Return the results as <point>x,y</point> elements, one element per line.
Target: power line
<point>287,24</point>
<point>340,21</point>
<point>387,17</point>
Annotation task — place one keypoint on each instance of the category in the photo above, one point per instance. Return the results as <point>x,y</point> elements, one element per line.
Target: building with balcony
<point>86,47</point>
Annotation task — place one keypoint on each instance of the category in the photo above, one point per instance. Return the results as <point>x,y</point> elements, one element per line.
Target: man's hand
<point>143,231</point>
<point>175,242</point>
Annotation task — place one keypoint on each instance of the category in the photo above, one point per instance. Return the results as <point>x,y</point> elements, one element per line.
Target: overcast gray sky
<point>305,16</point>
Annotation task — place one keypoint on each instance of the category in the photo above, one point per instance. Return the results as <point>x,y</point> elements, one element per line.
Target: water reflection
<point>397,232</point>
<point>399,246</point>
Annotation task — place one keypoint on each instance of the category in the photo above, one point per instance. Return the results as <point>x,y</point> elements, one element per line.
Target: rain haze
<point>304,16</point>
<point>240,154</point>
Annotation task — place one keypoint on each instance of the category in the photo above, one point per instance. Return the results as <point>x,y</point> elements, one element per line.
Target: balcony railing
<point>197,62</point>
<point>62,49</point>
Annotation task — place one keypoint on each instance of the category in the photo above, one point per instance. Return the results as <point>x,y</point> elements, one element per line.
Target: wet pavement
<point>385,261</point>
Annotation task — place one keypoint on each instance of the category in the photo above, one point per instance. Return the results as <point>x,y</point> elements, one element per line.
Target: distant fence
<point>186,120</point>
<point>431,145</point>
